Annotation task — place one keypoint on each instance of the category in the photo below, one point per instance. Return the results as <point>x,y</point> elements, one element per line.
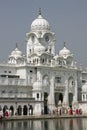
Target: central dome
<point>40,23</point>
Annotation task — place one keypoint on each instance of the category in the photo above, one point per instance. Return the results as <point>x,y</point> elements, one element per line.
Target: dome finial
<point>16,45</point>
<point>39,11</point>
<point>64,44</point>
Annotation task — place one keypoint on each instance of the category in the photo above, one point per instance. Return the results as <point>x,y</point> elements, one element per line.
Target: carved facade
<point>40,79</point>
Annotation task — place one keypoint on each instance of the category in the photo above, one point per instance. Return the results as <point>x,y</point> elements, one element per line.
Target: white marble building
<point>38,80</point>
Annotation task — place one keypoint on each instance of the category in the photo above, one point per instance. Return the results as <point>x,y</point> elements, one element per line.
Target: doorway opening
<point>19,111</point>
<point>45,103</point>
<point>70,99</point>
<point>58,97</point>
<point>25,109</point>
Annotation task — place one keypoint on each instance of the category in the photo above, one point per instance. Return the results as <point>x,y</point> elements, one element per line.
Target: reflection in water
<point>46,125</point>
<point>54,124</point>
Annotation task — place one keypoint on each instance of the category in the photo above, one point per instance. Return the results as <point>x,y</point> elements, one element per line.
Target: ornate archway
<point>70,99</point>
<point>61,97</point>
<point>45,103</point>
<point>19,110</point>
<point>5,108</point>
<point>12,110</point>
<point>0,108</point>
<point>71,88</point>
<point>31,110</point>
<point>58,97</point>
<point>25,109</point>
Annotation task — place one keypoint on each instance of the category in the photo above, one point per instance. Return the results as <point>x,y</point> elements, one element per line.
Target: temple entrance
<point>30,110</point>
<point>61,97</point>
<point>19,110</point>
<point>45,103</point>
<point>0,108</point>
<point>12,110</point>
<point>58,97</point>
<point>70,99</point>
<point>25,110</point>
<point>5,108</point>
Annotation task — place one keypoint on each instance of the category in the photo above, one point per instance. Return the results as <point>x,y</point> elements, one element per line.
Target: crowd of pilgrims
<point>66,111</point>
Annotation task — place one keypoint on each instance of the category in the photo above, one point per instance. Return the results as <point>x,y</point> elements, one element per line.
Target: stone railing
<point>15,95</point>
<point>11,81</point>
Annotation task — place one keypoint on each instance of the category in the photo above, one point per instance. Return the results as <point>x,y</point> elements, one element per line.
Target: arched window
<point>37,95</point>
<point>42,60</point>
<point>30,51</point>
<point>83,96</point>
<point>57,79</point>
<point>50,50</point>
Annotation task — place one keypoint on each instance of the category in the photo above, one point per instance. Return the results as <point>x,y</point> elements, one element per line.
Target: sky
<point>67,18</point>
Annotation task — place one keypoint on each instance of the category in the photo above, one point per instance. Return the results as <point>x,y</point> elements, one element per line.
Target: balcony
<point>11,81</point>
<point>13,94</point>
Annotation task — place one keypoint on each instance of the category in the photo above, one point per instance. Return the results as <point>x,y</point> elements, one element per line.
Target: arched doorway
<point>5,108</point>
<point>61,97</point>
<point>19,111</point>
<point>12,110</point>
<point>70,99</point>
<point>0,108</point>
<point>45,103</point>
<point>58,97</point>
<point>30,110</point>
<point>25,110</point>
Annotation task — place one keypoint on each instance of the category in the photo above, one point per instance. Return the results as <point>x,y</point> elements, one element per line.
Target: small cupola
<point>65,52</point>
<point>16,56</point>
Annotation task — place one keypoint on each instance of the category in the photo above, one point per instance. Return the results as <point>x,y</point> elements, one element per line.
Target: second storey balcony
<point>12,81</point>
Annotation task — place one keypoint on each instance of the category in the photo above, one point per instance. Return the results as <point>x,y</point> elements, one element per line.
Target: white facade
<point>40,79</point>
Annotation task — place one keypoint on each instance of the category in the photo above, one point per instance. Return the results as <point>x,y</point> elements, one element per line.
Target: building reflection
<point>69,124</point>
<point>54,124</point>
